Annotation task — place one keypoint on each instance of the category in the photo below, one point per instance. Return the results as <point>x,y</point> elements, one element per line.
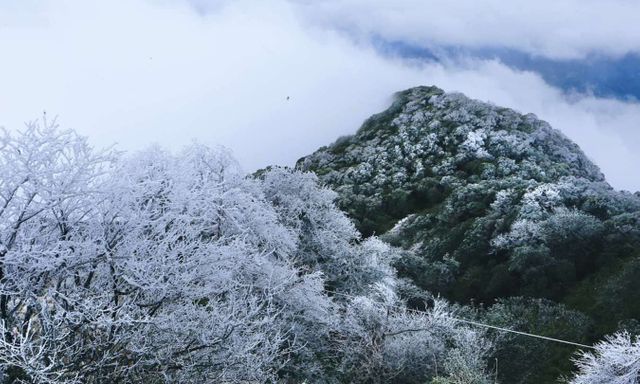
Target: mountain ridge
<point>493,208</point>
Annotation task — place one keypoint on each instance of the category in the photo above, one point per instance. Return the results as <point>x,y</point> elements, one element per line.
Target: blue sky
<point>137,72</point>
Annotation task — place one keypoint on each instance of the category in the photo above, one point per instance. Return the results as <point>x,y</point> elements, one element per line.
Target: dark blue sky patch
<point>600,75</point>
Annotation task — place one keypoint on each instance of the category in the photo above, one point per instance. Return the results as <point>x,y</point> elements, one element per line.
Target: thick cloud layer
<point>264,79</point>
<point>552,28</point>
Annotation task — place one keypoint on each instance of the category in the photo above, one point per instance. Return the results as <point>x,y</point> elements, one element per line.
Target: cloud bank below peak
<point>559,29</point>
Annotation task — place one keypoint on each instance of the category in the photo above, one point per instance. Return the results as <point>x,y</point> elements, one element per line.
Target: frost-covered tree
<point>166,268</point>
<point>198,249</point>
<point>616,360</point>
<point>382,342</point>
<point>50,181</point>
<point>158,267</point>
<point>327,240</point>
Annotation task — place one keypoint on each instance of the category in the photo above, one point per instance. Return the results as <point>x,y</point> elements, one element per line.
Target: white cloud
<point>137,72</point>
<point>553,28</point>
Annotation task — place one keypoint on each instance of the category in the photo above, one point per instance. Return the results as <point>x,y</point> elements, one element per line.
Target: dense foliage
<point>176,268</point>
<point>492,204</point>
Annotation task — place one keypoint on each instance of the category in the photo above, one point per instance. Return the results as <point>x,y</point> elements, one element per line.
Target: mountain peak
<point>459,183</point>
<point>427,131</point>
<point>429,143</point>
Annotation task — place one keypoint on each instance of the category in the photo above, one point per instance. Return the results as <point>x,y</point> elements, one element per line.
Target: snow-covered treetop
<point>156,267</point>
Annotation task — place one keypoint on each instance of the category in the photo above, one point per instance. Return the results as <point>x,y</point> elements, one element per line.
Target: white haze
<point>552,28</point>
<point>135,72</point>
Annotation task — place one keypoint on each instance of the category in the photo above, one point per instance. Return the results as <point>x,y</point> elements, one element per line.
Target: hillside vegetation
<point>497,210</point>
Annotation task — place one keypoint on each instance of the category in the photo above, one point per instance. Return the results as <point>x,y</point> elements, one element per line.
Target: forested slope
<point>495,209</point>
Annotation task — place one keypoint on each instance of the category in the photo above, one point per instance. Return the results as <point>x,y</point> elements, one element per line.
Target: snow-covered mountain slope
<point>494,207</point>
<point>490,202</point>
